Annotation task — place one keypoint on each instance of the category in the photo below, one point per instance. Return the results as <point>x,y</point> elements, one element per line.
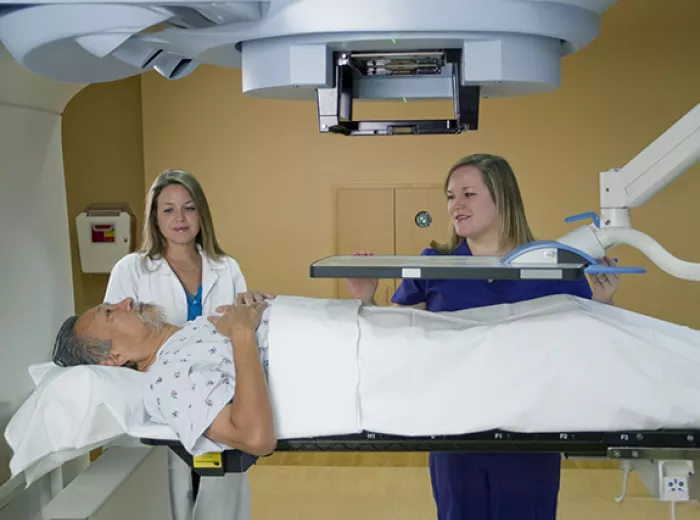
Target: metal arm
<point>647,174</point>
<point>650,171</point>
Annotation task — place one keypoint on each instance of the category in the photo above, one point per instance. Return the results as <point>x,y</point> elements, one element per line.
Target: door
<point>421,217</point>
<point>401,221</point>
<point>365,222</point>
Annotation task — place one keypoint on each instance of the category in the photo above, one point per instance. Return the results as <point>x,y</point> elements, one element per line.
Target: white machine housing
<point>332,51</point>
<point>104,237</point>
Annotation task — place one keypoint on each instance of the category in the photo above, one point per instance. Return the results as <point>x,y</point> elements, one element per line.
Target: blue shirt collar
<point>462,249</point>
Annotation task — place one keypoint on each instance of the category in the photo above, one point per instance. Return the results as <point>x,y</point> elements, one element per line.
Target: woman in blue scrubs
<point>488,218</point>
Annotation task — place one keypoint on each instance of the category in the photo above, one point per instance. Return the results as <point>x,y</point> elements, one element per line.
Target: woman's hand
<point>239,317</point>
<point>248,298</point>
<point>604,285</point>
<point>362,288</point>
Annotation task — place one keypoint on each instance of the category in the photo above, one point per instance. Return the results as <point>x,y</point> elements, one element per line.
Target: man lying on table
<point>192,371</point>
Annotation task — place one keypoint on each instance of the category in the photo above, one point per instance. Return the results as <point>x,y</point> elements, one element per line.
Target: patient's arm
<point>246,424</point>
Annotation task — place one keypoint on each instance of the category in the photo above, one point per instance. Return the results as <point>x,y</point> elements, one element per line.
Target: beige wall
<point>271,177</point>
<point>103,161</point>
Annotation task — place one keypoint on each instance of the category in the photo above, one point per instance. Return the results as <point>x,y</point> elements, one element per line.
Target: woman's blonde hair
<point>505,192</point>
<point>153,244</point>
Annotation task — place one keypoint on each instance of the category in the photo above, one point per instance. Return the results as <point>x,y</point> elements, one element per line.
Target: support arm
<point>659,164</point>
<point>643,177</point>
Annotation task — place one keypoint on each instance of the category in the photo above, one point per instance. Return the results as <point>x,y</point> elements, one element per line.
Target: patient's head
<point>124,334</point>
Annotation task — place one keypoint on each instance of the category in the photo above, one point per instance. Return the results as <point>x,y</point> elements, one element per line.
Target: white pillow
<point>72,411</point>
<point>38,371</point>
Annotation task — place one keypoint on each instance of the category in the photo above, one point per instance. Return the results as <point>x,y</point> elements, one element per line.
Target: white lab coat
<point>218,498</point>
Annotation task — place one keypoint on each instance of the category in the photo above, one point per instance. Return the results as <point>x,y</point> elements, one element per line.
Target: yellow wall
<point>103,161</point>
<point>271,180</point>
<point>271,177</point>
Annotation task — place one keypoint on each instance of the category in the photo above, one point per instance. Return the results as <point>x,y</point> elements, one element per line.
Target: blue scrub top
<point>481,486</point>
<point>456,295</point>
<point>194,304</point>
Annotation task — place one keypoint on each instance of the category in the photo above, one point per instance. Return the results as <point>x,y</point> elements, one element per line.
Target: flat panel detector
<point>441,267</point>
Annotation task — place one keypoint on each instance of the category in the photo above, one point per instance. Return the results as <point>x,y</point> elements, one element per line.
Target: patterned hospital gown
<point>192,380</point>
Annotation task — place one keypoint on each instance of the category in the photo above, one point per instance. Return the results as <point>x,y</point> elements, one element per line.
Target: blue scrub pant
<point>495,486</point>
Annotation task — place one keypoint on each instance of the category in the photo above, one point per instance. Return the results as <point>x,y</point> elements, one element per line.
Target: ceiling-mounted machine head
<point>397,75</point>
<point>329,51</point>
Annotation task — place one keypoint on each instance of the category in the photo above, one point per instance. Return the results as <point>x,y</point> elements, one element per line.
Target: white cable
<point>625,475</point>
<point>673,510</point>
<point>652,249</point>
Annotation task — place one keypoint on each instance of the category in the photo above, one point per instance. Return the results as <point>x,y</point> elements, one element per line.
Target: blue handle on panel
<point>582,216</point>
<point>608,269</point>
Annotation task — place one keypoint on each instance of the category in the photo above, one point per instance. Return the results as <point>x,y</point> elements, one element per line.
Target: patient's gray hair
<point>71,350</point>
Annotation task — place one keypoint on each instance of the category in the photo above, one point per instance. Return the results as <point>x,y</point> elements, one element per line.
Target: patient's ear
<point>114,360</point>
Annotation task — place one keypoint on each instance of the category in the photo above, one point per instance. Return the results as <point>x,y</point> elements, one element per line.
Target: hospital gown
<point>193,379</point>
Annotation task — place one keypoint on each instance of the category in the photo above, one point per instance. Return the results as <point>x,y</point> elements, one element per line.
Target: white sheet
<point>312,373</point>
<point>553,364</point>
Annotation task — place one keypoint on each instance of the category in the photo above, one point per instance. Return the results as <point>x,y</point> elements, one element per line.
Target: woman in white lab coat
<point>182,268</point>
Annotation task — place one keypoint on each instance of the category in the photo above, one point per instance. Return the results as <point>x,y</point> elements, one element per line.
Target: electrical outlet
<point>675,489</point>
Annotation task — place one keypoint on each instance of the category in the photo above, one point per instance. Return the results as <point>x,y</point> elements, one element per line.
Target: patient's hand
<point>239,317</point>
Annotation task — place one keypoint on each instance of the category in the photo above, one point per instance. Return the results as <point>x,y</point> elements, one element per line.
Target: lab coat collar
<point>210,270</point>
<point>210,273</point>
<point>207,263</point>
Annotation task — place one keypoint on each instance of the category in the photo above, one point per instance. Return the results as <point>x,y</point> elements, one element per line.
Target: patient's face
<point>178,219</point>
<point>469,203</point>
<point>125,324</point>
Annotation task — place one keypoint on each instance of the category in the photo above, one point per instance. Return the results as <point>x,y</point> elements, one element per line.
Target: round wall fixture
<point>423,219</point>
